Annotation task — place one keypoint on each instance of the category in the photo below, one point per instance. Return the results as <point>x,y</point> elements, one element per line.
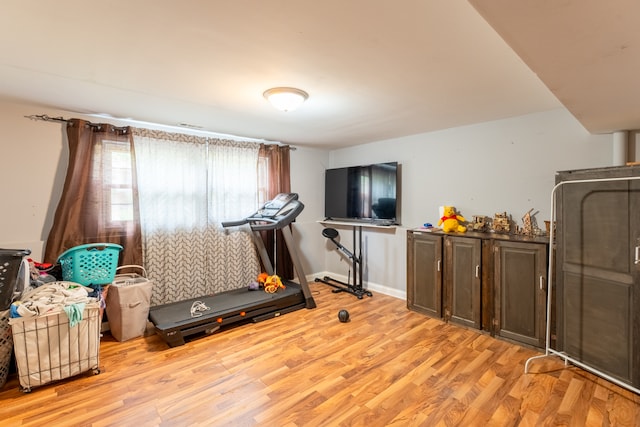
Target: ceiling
<point>374,69</point>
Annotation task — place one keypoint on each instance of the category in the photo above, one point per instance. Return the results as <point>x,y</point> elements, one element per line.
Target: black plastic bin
<point>10,262</point>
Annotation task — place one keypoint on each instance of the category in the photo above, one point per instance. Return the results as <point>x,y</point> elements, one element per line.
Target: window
<point>113,164</point>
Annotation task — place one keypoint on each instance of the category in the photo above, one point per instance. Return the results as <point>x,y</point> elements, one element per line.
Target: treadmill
<point>207,314</point>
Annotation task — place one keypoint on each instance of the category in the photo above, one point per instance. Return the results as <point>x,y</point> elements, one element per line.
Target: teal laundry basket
<point>91,264</point>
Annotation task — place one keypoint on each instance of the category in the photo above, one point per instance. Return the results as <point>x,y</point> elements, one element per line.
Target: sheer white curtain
<point>187,185</point>
<point>233,179</point>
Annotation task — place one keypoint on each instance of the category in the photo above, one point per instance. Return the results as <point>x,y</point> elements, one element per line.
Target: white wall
<point>307,179</point>
<point>33,162</point>
<point>506,165</point>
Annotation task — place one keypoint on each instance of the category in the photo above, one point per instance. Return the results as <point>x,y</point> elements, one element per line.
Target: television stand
<point>357,289</point>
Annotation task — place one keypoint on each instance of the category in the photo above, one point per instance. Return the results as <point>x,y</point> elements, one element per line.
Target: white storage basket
<point>128,303</point>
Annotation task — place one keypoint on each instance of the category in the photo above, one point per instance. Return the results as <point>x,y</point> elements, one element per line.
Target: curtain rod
<point>46,118</point>
<point>61,119</point>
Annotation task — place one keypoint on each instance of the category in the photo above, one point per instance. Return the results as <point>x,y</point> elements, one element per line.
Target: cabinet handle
<point>477,271</point>
<point>637,261</point>
<point>542,283</point>
<point>439,261</point>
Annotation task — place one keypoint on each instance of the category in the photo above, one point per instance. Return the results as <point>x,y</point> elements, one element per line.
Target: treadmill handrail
<point>234,223</point>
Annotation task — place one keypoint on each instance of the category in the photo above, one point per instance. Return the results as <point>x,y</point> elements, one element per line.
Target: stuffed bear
<point>451,222</point>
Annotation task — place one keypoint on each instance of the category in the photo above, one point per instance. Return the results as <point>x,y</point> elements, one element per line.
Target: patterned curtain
<point>187,186</point>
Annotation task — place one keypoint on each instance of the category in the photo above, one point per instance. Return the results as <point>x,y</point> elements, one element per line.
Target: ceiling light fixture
<point>285,98</point>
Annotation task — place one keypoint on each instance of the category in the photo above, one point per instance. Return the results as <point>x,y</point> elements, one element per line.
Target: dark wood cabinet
<point>520,285</point>
<point>597,272</point>
<point>424,273</point>
<point>494,283</point>
<point>463,280</point>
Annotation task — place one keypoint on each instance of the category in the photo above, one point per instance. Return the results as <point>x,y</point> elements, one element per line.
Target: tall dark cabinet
<point>598,270</point>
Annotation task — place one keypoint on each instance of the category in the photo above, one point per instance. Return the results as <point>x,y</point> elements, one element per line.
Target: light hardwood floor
<point>388,366</point>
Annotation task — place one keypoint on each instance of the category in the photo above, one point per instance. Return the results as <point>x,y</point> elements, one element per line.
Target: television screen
<point>362,192</point>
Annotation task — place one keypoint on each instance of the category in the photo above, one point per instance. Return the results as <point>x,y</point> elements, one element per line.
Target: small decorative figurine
<point>501,223</point>
<point>480,223</point>
<point>527,225</point>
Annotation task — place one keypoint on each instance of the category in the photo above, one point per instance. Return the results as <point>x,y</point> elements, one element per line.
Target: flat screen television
<point>363,193</point>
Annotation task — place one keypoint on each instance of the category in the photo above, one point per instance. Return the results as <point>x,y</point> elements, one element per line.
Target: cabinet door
<point>520,280</point>
<point>424,275</point>
<point>598,281</point>
<point>463,280</point>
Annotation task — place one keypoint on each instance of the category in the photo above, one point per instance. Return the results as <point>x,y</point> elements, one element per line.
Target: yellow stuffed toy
<point>450,221</point>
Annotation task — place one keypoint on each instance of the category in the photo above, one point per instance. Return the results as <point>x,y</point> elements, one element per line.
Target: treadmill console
<point>273,207</point>
<point>273,215</point>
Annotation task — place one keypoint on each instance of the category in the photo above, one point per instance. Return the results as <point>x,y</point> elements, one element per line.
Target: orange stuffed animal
<point>271,284</point>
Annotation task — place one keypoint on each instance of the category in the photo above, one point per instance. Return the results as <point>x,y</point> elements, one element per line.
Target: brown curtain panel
<point>97,178</point>
<point>277,161</point>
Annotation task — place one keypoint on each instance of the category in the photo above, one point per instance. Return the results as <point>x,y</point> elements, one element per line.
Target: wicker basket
<point>92,264</point>
<point>6,347</point>
<point>12,283</point>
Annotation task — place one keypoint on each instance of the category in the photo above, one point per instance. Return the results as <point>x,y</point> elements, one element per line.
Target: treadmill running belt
<point>174,321</point>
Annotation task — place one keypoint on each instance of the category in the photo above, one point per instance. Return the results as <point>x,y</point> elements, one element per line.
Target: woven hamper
<point>14,277</point>
<point>6,347</point>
